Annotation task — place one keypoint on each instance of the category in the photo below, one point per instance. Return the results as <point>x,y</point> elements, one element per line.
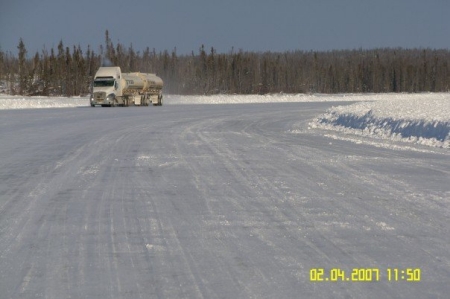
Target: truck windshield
<point>104,83</point>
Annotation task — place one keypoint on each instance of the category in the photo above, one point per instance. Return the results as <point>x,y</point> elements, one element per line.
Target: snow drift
<point>20,102</point>
<point>417,118</point>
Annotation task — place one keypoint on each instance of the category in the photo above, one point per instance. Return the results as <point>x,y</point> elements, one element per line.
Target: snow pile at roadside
<point>417,118</point>
<point>261,99</point>
<point>21,102</point>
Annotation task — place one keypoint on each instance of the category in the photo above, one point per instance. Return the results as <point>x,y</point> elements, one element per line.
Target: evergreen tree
<point>23,74</point>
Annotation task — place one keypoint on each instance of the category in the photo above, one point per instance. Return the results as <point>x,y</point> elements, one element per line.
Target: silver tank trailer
<point>143,88</point>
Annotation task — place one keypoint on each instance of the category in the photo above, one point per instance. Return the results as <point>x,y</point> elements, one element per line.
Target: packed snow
<point>422,118</point>
<point>261,99</point>
<point>418,118</point>
<point>21,102</point>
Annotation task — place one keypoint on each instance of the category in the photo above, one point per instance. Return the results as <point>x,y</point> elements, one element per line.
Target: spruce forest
<point>68,71</point>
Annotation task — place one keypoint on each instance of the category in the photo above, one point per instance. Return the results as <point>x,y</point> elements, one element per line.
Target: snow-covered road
<point>214,201</point>
<point>421,118</point>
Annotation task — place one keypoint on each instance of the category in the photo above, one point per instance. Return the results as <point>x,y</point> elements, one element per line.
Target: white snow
<point>414,118</point>
<point>269,98</point>
<point>21,102</point>
<point>422,118</point>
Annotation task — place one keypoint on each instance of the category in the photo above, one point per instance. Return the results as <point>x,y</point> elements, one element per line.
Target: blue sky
<point>251,25</point>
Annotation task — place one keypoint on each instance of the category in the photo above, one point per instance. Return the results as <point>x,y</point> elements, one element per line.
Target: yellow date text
<point>364,275</point>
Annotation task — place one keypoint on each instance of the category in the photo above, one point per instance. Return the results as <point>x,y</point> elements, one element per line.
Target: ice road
<point>215,201</point>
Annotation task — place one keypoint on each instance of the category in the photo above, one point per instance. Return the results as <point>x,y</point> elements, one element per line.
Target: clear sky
<point>251,25</point>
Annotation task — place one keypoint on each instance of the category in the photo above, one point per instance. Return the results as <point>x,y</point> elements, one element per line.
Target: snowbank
<point>270,98</point>
<point>416,118</point>
<point>21,102</point>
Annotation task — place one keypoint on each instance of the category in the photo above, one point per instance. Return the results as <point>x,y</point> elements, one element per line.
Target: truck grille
<point>99,96</point>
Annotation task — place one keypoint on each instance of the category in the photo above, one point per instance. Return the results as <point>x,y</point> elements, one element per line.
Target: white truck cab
<point>107,86</point>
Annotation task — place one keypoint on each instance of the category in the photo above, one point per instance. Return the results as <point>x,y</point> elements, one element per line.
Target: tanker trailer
<point>112,88</point>
<point>143,89</point>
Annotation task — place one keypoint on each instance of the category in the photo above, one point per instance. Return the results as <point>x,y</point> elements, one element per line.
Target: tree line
<point>69,71</point>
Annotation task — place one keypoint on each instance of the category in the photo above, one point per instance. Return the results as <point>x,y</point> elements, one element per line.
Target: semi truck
<point>112,88</point>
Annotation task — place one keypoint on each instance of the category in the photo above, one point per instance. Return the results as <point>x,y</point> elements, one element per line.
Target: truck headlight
<point>111,97</point>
